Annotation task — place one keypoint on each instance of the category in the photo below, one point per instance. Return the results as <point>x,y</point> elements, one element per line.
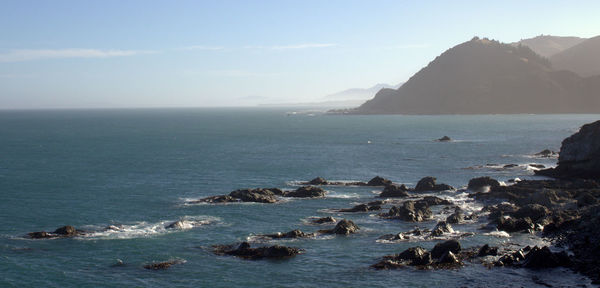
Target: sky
<point>128,53</point>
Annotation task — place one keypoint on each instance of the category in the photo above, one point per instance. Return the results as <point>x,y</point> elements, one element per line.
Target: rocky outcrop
<point>409,211</point>
<point>318,181</point>
<point>344,227</point>
<point>392,190</point>
<point>324,220</point>
<point>260,195</point>
<point>444,255</point>
<point>288,235</point>
<point>444,139</point>
<point>379,181</point>
<point>244,251</point>
<point>481,183</point>
<point>486,250</point>
<point>162,265</point>
<point>579,155</point>
<point>434,200</point>
<point>306,192</point>
<point>62,232</point>
<point>429,184</point>
<point>441,228</point>
<point>546,153</point>
<point>361,208</point>
<point>441,248</point>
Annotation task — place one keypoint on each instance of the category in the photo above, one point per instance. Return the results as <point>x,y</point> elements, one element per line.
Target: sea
<point>137,169</point>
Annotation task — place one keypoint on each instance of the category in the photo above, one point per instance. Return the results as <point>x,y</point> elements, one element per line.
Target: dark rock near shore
<point>409,211</point>
<point>478,184</point>
<point>318,181</point>
<point>515,225</point>
<point>379,181</point>
<point>306,192</point>
<point>244,251</point>
<point>429,184</point>
<point>440,248</point>
<point>544,258</point>
<point>444,139</point>
<point>579,155</point>
<point>323,220</point>
<point>434,200</point>
<point>254,195</point>
<point>175,225</point>
<point>546,153</point>
<point>532,211</point>
<point>415,256</point>
<point>392,190</point>
<point>456,218</point>
<point>441,228</point>
<point>486,250</point>
<point>344,227</point>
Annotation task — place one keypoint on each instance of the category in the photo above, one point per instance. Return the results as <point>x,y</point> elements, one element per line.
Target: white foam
<point>145,229</point>
<point>342,195</point>
<point>501,234</point>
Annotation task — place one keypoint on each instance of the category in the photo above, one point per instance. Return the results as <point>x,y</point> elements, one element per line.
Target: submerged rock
<point>361,208</point>
<point>244,251</point>
<point>429,184</point>
<point>291,234</point>
<point>62,232</point>
<point>323,220</point>
<point>393,190</point>
<point>444,139</point>
<point>176,225</point>
<point>306,192</point>
<point>161,265</point>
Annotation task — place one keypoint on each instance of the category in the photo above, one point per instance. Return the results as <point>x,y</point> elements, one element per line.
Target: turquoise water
<point>136,168</point>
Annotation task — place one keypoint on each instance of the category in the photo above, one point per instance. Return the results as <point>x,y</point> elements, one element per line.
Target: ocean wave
<point>500,234</point>
<point>148,229</point>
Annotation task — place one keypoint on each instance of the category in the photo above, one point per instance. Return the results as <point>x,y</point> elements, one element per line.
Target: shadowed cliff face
<point>580,153</point>
<point>487,77</point>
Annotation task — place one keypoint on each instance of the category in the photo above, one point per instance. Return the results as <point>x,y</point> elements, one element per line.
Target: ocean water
<point>137,168</point>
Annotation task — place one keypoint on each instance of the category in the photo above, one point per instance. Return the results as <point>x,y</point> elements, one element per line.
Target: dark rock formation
<point>579,155</point>
<point>379,181</point>
<point>429,184</point>
<point>515,225</point>
<point>449,258</point>
<point>409,211</point>
<point>162,265</point>
<point>532,211</point>
<point>486,250</point>
<point>289,235</point>
<point>361,208</point>
<point>260,195</point>
<point>478,184</point>
<point>344,227</point>
<point>544,258</point>
<point>323,220</point>
<point>440,248</point>
<point>441,228</point>
<point>392,190</point>
<point>318,181</point>
<point>434,200</point>
<point>306,192</point>
<point>456,218</point>
<point>175,225</point>
<point>546,153</point>
<point>244,251</point>
<point>444,139</point>
<point>62,232</point>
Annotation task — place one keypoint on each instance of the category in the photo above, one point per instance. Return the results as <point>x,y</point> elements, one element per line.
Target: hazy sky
<point>67,54</point>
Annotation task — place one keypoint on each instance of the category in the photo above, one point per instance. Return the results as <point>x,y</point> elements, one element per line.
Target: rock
<point>510,259</point>
<point>456,218</point>
<point>429,184</point>
<point>345,227</point>
<point>415,256</point>
<point>440,248</point>
<point>387,264</point>
<point>586,199</point>
<point>508,166</point>
<point>444,139</point>
<point>480,183</point>
<point>441,228</point>
<point>66,231</point>
<point>579,155</point>
<point>515,225</point>
<point>162,265</point>
<point>449,258</point>
<point>254,195</point>
<point>246,252</point>
<point>216,199</point>
<point>546,153</point>
<point>175,225</point>
<point>289,235</point>
<point>544,258</point>
<point>306,192</point>
<point>322,220</point>
<point>394,191</point>
<point>539,166</point>
<point>40,235</point>
<point>434,200</point>
<point>379,181</point>
<point>361,208</point>
<point>486,250</point>
<point>533,211</point>
<point>317,181</point>
<point>409,211</point>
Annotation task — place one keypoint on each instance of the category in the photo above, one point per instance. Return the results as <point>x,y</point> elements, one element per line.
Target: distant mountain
<point>583,58</point>
<point>549,45</point>
<point>360,93</point>
<point>483,76</point>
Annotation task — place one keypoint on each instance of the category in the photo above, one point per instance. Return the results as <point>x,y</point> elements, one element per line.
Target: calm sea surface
<point>137,168</point>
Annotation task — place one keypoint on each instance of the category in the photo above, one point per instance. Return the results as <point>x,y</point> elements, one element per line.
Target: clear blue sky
<point>68,54</point>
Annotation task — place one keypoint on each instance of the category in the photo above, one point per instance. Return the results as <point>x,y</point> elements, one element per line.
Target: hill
<point>547,46</point>
<point>483,76</point>
<point>583,58</point>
